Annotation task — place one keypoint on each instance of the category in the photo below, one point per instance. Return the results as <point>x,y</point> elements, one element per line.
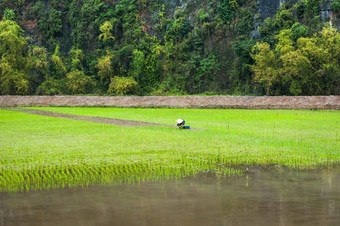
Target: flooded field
<point>274,196</point>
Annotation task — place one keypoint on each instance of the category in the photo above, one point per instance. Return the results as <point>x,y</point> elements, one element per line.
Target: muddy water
<point>263,197</point>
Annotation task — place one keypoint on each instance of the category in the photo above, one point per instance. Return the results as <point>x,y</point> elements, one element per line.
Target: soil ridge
<point>232,102</point>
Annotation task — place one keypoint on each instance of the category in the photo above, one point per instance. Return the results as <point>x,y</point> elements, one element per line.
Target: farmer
<point>180,124</point>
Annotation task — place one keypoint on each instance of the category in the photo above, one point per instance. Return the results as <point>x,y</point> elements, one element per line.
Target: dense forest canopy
<point>176,47</point>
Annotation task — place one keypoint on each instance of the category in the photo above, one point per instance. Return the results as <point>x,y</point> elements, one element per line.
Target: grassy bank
<point>39,152</point>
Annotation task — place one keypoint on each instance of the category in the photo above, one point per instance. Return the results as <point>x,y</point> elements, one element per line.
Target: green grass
<point>40,152</point>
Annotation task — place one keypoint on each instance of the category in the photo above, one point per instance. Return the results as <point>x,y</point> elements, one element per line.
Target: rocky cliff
<point>268,8</point>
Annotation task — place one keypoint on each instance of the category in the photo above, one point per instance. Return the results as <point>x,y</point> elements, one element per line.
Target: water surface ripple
<point>263,197</point>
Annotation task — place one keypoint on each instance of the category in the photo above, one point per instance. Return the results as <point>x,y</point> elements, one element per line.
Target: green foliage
<point>52,86</point>
<point>201,73</point>
<point>82,17</point>
<point>50,22</point>
<point>335,6</point>
<point>312,7</point>
<point>39,65</point>
<point>196,47</point>
<point>298,31</point>
<point>54,23</point>
<point>104,67</point>
<point>266,69</point>
<point>14,77</point>
<point>57,65</point>
<point>123,86</point>
<point>202,16</point>
<point>12,40</point>
<point>272,26</point>
<point>225,10</point>
<point>244,22</point>
<point>13,82</point>
<point>77,57</point>
<point>78,83</point>
<point>305,67</point>
<point>178,29</point>
<point>38,9</point>
<point>105,30</point>
<point>243,60</point>
<point>137,63</point>
<point>9,14</point>
<point>285,43</point>
<point>125,22</point>
<point>76,80</point>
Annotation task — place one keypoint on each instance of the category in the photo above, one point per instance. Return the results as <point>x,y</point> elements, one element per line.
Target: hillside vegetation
<point>158,47</point>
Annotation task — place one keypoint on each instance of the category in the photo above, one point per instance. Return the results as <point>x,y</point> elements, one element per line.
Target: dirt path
<point>112,121</point>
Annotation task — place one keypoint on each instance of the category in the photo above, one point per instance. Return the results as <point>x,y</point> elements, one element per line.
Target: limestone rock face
<point>325,11</point>
<point>267,8</point>
<point>326,14</point>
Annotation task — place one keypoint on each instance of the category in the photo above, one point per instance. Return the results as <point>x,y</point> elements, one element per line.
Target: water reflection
<point>263,197</point>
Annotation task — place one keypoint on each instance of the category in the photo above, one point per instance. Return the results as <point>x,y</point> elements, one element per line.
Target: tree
<point>39,66</point>
<point>77,57</point>
<point>55,80</point>
<point>52,86</point>
<point>225,10</point>
<point>298,31</point>
<point>14,77</point>
<point>329,39</point>
<point>83,15</point>
<point>106,31</point>
<point>266,67</point>
<point>9,14</point>
<point>309,66</point>
<point>296,71</point>
<point>104,67</point>
<point>54,23</point>
<point>58,67</point>
<point>201,72</point>
<point>137,64</point>
<point>285,44</point>
<point>78,82</point>
<point>123,86</point>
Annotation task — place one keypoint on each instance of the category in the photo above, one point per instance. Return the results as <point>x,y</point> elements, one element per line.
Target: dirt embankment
<point>241,102</point>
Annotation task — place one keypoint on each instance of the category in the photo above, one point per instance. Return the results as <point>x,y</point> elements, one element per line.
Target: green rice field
<point>43,152</point>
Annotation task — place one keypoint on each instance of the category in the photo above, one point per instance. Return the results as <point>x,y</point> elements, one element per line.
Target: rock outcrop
<point>268,8</point>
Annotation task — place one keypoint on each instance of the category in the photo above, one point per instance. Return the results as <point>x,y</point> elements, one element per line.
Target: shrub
<point>51,87</point>
<point>123,86</point>
<point>335,6</point>
<point>79,83</point>
<point>202,16</point>
<point>9,14</point>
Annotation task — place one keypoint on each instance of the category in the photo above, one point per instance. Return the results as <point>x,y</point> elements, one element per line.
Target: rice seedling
<point>40,152</point>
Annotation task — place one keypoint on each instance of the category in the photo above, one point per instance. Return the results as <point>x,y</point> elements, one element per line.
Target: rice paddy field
<point>43,152</point>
